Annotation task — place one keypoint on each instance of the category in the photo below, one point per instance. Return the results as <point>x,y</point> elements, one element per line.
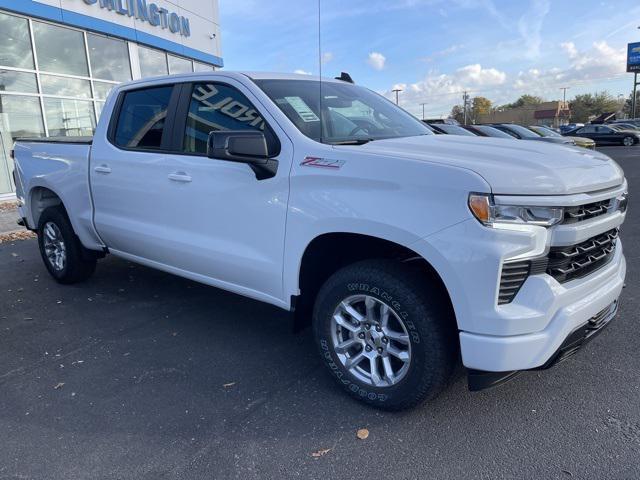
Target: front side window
<point>346,114</point>
<point>218,107</point>
<point>142,116</point>
<point>60,50</point>
<point>16,43</point>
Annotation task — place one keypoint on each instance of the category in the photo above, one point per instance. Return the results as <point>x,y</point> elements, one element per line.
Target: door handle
<point>180,177</point>
<point>102,169</point>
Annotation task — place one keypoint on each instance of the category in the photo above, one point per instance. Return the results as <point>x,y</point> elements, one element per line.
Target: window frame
<point>182,111</point>
<point>166,144</point>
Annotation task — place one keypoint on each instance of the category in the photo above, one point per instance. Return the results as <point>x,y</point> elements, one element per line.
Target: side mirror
<point>238,146</point>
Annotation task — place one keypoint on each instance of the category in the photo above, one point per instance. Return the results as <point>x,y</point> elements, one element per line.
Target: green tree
<point>525,100</point>
<point>588,106</point>
<point>480,106</point>
<point>457,113</point>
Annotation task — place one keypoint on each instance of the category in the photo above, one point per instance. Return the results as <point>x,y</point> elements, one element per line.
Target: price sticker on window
<point>302,109</point>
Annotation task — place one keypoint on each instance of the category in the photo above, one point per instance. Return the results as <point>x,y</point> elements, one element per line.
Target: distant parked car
<point>607,135</point>
<point>571,126</point>
<point>583,142</point>
<point>523,133</point>
<point>630,121</point>
<point>623,126</point>
<point>452,129</point>
<point>487,131</point>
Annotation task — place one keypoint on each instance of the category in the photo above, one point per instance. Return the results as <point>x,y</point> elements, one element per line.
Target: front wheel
<point>64,256</point>
<point>385,334</point>
<point>628,141</point>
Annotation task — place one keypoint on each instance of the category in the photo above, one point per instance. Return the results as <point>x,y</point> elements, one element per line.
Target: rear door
<point>127,172</point>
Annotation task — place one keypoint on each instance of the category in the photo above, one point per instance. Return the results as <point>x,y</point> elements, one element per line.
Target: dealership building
<point>60,58</point>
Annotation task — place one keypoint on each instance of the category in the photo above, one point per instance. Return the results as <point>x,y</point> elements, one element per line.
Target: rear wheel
<point>385,334</point>
<point>64,256</point>
<point>628,141</point>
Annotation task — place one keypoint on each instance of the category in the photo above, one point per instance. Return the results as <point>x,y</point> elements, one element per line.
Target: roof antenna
<point>345,77</point>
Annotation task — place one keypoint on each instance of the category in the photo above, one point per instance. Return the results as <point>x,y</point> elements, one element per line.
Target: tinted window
<point>492,132</point>
<point>455,130</point>
<point>217,107</point>
<point>522,132</point>
<point>142,116</point>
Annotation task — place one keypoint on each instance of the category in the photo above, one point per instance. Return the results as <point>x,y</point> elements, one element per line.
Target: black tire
<point>79,263</point>
<point>428,320</point>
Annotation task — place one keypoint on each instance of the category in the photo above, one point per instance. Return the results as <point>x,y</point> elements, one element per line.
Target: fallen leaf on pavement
<point>58,386</point>
<point>362,434</point>
<point>320,452</point>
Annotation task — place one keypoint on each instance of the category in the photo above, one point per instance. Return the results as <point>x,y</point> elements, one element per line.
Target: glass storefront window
<point>20,116</point>
<point>60,50</point>
<point>69,117</point>
<point>109,58</point>
<point>201,67</point>
<point>16,42</point>
<point>179,65</point>
<point>102,89</point>
<point>152,62</point>
<point>11,81</point>
<point>65,86</point>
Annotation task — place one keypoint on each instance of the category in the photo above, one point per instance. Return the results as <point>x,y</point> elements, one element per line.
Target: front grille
<point>587,211</point>
<point>575,261</point>
<point>512,277</point>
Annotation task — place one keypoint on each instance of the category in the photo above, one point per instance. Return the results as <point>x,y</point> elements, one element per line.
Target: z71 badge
<point>322,162</point>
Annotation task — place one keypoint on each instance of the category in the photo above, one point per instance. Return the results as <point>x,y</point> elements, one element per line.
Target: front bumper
<point>479,379</point>
<point>574,304</point>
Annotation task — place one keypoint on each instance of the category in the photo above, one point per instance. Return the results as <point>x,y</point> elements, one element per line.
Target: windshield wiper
<point>358,141</point>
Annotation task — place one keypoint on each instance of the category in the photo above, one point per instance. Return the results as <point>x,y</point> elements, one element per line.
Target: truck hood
<point>510,167</point>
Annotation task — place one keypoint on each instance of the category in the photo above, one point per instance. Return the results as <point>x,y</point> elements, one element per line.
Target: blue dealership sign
<point>633,57</point>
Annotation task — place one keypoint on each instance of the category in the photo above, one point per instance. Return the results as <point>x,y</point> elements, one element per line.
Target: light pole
<point>396,90</point>
<point>564,95</point>
<point>423,104</point>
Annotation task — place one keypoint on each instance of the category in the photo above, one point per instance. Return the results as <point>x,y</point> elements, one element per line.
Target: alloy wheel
<point>54,246</point>
<point>371,341</point>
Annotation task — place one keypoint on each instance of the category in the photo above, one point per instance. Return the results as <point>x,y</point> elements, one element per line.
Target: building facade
<point>60,58</point>
<point>550,114</point>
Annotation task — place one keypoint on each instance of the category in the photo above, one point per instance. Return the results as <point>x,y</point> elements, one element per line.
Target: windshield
<point>350,114</point>
<point>455,130</point>
<point>546,132</point>
<point>523,132</point>
<point>492,132</point>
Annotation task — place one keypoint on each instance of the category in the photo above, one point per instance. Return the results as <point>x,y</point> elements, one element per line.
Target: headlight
<point>488,213</point>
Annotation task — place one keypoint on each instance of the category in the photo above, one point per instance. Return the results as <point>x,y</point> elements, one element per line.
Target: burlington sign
<point>147,12</point>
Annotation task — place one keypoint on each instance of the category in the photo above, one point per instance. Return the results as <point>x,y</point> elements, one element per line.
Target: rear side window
<point>142,118</point>
<point>219,107</point>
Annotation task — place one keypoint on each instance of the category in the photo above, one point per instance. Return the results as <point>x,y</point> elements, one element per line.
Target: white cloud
<point>477,76</point>
<point>302,72</point>
<point>570,49</point>
<point>376,60</point>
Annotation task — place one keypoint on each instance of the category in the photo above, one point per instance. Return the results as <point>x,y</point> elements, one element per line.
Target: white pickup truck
<point>406,251</point>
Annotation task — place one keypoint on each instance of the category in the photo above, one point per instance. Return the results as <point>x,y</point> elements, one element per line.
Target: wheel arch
<point>328,252</point>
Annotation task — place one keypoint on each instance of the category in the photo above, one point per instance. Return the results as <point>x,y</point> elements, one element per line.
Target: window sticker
<point>302,109</point>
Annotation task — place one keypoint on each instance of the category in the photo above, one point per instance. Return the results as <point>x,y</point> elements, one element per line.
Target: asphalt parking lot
<point>139,374</point>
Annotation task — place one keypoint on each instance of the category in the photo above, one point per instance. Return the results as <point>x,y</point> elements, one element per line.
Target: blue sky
<point>435,49</point>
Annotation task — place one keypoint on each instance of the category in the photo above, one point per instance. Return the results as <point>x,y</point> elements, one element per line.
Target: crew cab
<point>407,252</point>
